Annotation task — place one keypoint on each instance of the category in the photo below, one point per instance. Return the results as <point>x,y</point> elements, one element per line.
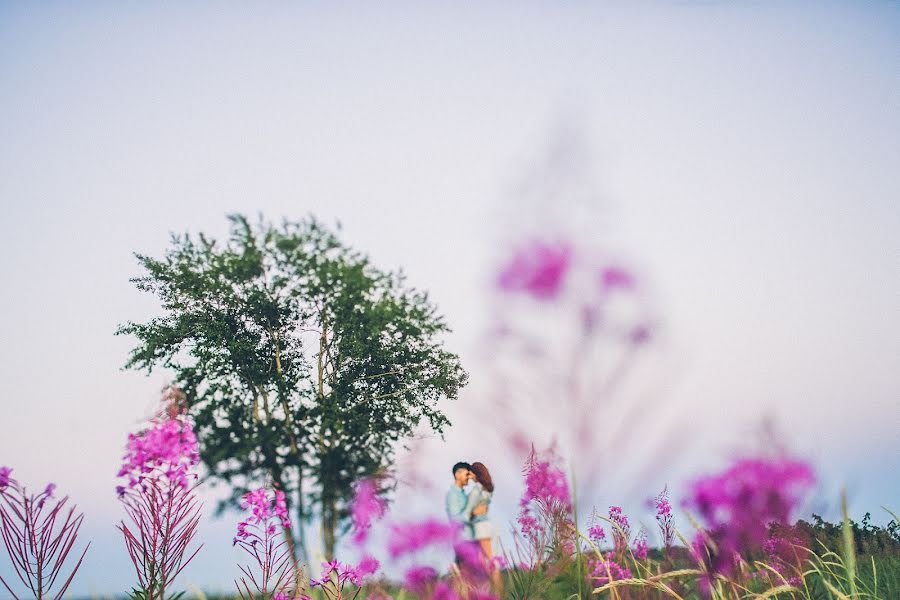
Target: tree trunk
<point>329,524</point>
<point>301,518</point>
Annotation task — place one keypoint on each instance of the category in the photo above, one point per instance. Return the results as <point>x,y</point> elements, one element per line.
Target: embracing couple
<point>471,508</point>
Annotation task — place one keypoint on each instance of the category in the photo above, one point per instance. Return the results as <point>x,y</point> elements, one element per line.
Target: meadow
<point>251,407</point>
<point>745,545</point>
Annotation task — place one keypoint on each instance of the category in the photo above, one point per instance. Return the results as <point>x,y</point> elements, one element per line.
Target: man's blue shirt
<point>455,504</point>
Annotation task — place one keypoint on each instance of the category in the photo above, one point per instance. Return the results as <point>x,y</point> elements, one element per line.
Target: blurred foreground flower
<point>739,505</point>
<point>367,506</point>
<point>538,269</point>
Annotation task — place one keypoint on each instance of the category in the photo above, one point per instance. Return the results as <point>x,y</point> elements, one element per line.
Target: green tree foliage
<point>302,363</point>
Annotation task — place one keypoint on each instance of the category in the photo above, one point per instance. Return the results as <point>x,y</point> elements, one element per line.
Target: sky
<point>742,157</point>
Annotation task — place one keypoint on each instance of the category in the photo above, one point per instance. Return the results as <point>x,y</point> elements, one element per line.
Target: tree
<point>301,361</point>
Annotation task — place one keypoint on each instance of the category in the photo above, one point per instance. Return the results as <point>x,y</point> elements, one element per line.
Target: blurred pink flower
<point>546,483</point>
<point>616,277</point>
<point>622,533</point>
<point>596,533</point>
<point>418,577</point>
<point>739,504</point>
<point>607,569</point>
<point>5,473</point>
<point>640,548</point>
<point>443,591</point>
<point>407,538</point>
<point>367,506</point>
<point>538,269</point>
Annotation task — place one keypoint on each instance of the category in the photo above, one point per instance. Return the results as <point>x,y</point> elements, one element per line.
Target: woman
<point>481,494</point>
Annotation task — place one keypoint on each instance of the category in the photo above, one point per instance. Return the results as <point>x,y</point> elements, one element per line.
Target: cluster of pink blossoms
<point>739,504</point>
<point>787,553</point>
<point>606,569</point>
<point>335,573</point>
<point>640,549</point>
<point>412,537</point>
<point>263,514</point>
<point>538,269</point>
<point>168,447</point>
<point>5,477</point>
<point>424,581</point>
<point>664,517</point>
<point>367,506</point>
<point>545,483</point>
<point>596,533</point>
<point>622,531</point>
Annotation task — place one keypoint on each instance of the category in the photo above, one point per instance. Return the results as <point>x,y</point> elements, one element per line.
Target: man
<point>456,502</point>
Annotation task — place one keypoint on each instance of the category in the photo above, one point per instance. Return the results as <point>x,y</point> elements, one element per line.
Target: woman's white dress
<point>481,524</point>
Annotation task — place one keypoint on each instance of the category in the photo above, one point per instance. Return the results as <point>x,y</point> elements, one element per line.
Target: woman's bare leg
<point>496,577</point>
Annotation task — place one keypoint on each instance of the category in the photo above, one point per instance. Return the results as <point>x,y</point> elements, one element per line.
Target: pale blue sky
<point>743,155</point>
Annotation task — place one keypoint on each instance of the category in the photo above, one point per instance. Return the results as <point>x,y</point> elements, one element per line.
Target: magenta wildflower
<point>621,532</point>
<point>606,569</point>
<point>640,334</point>
<point>538,269</point>
<point>168,447</point>
<point>616,277</point>
<point>527,523</point>
<point>739,504</point>
<point>258,535</point>
<point>664,518</point>
<point>786,552</point>
<point>162,508</point>
<point>443,591</point>
<point>411,537</point>
<point>640,549</point>
<point>367,507</point>
<point>5,473</point>
<point>545,483</point>
<point>545,511</point>
<point>419,577</point>
<point>369,565</point>
<point>596,533</point>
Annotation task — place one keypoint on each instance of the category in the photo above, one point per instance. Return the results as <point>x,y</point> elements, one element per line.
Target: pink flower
<point>281,509</point>
<point>664,517</point>
<point>545,483</point>
<point>167,448</point>
<point>622,532</point>
<point>368,565</point>
<point>537,269</point>
<point>367,507</point>
<point>786,551</point>
<point>527,523</point>
<point>411,537</point>
<point>471,559</point>
<point>739,504</point>
<point>613,277</point>
<point>606,570</point>
<point>596,533</point>
<point>5,478</point>
<point>640,548</point>
<point>418,577</point>
<point>443,591</point>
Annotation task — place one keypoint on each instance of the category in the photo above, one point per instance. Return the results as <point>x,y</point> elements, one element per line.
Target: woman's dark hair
<point>461,465</point>
<point>483,476</point>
